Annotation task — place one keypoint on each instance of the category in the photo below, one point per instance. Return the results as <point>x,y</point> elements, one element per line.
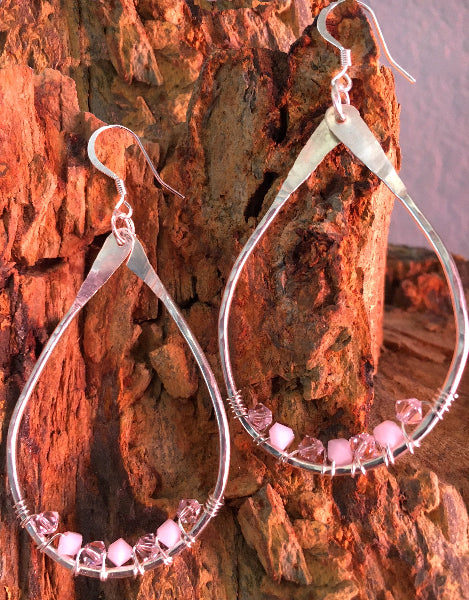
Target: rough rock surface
<point>112,440</point>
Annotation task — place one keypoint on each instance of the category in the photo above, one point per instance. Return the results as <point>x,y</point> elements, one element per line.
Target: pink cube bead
<point>119,552</point>
<point>389,434</point>
<point>340,452</point>
<point>281,436</point>
<point>69,543</point>
<point>169,533</point>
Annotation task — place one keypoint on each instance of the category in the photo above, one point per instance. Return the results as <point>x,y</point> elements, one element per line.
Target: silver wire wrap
<point>49,541</point>
<point>237,406</point>
<point>22,512</point>
<point>187,538</point>
<point>213,505</point>
<point>138,566</point>
<point>120,246</point>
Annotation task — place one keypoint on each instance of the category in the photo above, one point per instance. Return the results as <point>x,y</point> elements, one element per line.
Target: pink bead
<point>93,554</point>
<point>169,533</point>
<point>46,523</point>
<point>189,511</point>
<point>146,547</point>
<point>260,417</point>
<point>339,452</point>
<point>69,543</point>
<point>281,436</point>
<point>364,446</point>
<point>388,433</point>
<point>311,449</point>
<point>119,552</point>
<point>409,411</point>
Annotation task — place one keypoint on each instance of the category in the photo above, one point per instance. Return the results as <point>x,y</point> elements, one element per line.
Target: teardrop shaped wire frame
<point>356,136</point>
<point>111,256</point>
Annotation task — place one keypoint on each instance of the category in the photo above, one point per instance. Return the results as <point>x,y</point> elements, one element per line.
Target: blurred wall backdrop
<point>429,39</point>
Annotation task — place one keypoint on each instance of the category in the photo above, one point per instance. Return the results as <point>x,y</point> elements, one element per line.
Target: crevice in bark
<point>254,205</point>
<point>281,132</point>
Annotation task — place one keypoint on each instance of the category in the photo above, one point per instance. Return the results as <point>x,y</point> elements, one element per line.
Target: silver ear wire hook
<point>396,65</point>
<point>122,234</point>
<point>339,89</point>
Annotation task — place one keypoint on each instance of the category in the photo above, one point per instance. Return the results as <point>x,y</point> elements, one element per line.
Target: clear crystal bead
<point>146,547</point>
<point>46,523</point>
<point>260,417</point>
<point>93,554</point>
<point>364,446</point>
<point>409,411</point>
<point>188,511</point>
<point>311,449</point>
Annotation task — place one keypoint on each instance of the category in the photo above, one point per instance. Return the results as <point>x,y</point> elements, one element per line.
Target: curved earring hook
<point>322,28</point>
<point>99,165</point>
<point>122,234</point>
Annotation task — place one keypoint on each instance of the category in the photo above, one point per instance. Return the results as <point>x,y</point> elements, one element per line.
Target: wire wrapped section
<point>213,505</point>
<point>23,513</point>
<point>237,406</point>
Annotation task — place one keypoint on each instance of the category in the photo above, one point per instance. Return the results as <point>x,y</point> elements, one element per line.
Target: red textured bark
<point>120,427</point>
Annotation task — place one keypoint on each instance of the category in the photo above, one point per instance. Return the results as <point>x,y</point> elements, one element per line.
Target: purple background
<point>429,38</point>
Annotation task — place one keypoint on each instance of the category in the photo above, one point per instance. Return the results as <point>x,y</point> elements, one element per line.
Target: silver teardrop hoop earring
<point>95,559</point>
<point>342,124</point>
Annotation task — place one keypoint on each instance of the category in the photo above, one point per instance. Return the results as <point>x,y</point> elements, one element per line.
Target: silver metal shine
<point>341,83</point>
<point>119,246</point>
<point>322,28</point>
<point>121,220</point>
<point>356,136</point>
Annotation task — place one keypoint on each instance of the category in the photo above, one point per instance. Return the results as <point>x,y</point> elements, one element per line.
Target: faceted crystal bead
<point>364,446</point>
<point>169,533</point>
<point>119,552</point>
<point>188,511</point>
<point>409,411</point>
<point>389,434</point>
<point>146,547</point>
<point>281,436</point>
<point>339,452</point>
<point>69,543</point>
<point>311,449</point>
<point>260,417</point>
<point>46,523</point>
<point>93,554</point>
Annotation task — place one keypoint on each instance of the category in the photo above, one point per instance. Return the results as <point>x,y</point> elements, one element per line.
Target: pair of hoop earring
<point>341,124</point>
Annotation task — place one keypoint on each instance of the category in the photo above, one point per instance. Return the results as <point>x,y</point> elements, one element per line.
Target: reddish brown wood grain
<point>121,427</point>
